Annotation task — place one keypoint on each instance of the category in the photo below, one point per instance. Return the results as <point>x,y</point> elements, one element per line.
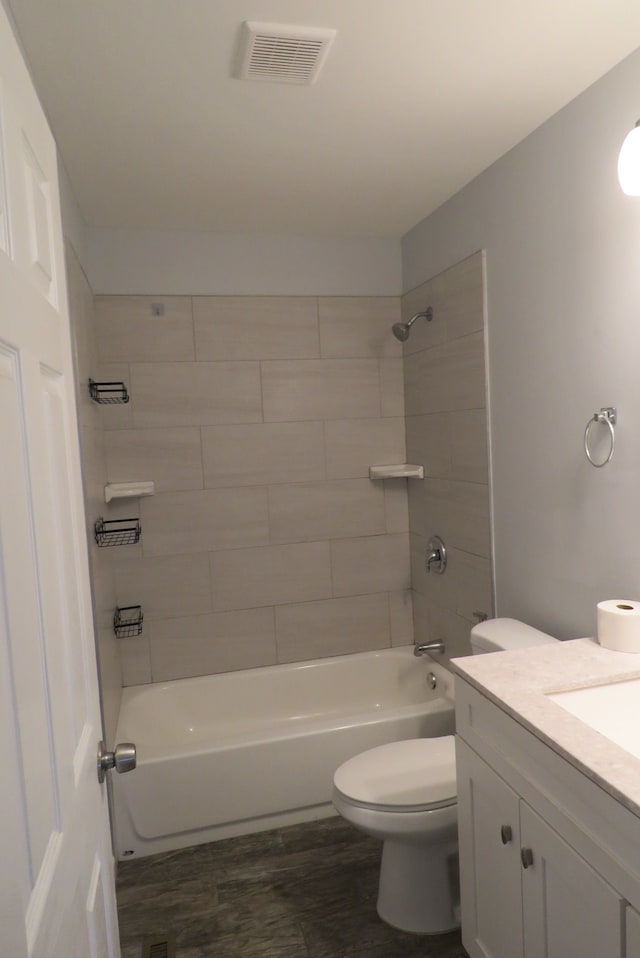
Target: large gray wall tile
<point>204,644</point>
<point>396,510</point>
<point>469,454</point>
<point>452,629</point>
<point>195,394</point>
<point>128,332</point>
<point>358,326</point>
<point>463,371</point>
<point>401,617</point>
<point>320,389</point>
<point>309,630</point>
<point>429,443</point>
<point>326,510</point>
<point>135,658</point>
<point>355,444</point>
<point>271,575</point>
<point>370,564</point>
<point>262,454</point>
<point>165,586</point>
<point>464,296</point>
<point>461,511</point>
<point>392,396</point>
<point>171,457</point>
<point>256,327</point>
<point>425,375</point>
<point>204,520</point>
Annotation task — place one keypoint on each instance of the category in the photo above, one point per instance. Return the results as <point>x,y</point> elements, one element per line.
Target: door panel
<point>56,884</point>
<point>633,932</point>
<point>489,869</point>
<point>568,908</point>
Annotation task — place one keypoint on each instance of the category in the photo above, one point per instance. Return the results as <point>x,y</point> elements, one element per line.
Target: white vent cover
<point>282,53</point>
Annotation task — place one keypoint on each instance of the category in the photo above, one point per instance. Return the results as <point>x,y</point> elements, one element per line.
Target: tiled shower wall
<point>446,428</point>
<point>94,472</point>
<point>257,418</point>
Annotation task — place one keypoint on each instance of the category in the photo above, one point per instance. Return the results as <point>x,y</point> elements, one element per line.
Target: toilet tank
<point>495,635</point>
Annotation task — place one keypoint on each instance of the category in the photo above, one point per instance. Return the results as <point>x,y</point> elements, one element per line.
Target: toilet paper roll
<point>619,625</point>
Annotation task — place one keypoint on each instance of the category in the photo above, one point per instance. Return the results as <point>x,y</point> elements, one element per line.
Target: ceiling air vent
<point>281,53</point>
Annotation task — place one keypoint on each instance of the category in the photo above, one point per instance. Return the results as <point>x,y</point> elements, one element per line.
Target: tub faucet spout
<point>429,647</point>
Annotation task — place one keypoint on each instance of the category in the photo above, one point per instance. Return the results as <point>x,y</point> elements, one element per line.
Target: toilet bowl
<point>404,793</point>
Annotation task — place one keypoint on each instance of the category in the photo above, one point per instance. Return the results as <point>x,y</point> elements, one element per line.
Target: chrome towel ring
<point>608,416</point>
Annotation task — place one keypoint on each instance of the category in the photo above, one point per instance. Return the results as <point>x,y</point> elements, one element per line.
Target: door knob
<point>123,759</point>
<point>506,834</point>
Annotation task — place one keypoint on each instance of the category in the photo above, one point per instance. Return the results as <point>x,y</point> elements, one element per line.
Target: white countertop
<point>519,683</point>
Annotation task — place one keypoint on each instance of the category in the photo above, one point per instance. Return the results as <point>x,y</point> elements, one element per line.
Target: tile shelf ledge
<point>402,470</point>
<point>128,490</point>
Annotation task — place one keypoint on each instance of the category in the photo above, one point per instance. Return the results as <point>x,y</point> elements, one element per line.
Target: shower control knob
<point>436,555</point>
<point>123,759</point>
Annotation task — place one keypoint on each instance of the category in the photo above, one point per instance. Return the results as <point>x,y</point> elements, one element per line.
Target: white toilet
<point>404,793</point>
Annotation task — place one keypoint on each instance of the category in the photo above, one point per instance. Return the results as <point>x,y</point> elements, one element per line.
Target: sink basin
<point>613,710</point>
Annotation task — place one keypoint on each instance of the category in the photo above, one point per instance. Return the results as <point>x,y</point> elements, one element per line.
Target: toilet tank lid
<point>494,635</point>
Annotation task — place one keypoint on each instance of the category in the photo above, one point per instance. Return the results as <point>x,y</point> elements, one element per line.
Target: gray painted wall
<point>563,284</point>
<point>226,264</point>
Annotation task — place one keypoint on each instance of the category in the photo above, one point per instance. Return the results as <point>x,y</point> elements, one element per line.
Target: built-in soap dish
<point>404,470</point>
<point>128,490</point>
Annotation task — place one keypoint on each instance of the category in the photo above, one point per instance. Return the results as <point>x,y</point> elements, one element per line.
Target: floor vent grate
<point>159,947</point>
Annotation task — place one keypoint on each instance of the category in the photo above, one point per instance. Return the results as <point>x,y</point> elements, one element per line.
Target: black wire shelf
<point>108,393</point>
<point>117,532</point>
<point>127,621</point>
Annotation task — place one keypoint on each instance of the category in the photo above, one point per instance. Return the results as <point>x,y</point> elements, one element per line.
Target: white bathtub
<point>224,755</point>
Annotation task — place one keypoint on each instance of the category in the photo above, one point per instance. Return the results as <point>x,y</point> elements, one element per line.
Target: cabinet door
<point>489,837</point>
<point>633,933</point>
<point>569,910</point>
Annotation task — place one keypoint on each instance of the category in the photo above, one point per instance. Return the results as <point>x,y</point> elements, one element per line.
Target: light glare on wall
<point>629,163</point>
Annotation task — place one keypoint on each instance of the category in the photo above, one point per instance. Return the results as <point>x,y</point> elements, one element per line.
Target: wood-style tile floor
<point>308,891</point>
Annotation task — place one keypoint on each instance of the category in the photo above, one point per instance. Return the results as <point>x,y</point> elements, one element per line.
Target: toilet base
<point>419,889</point>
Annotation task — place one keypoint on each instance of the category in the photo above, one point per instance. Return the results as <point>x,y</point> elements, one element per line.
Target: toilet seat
<point>410,776</point>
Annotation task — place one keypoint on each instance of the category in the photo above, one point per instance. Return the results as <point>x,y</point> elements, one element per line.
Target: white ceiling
<point>416,98</point>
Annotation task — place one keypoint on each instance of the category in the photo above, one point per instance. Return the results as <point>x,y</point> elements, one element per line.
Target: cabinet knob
<point>526,857</point>
<point>506,834</point>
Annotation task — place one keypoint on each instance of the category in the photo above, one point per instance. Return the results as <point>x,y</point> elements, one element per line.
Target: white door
<point>56,868</point>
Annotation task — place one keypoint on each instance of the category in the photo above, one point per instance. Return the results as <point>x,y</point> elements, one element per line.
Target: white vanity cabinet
<point>525,891</point>
<point>543,874</point>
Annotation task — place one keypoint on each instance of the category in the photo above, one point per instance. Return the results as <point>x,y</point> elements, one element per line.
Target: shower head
<point>401,330</point>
